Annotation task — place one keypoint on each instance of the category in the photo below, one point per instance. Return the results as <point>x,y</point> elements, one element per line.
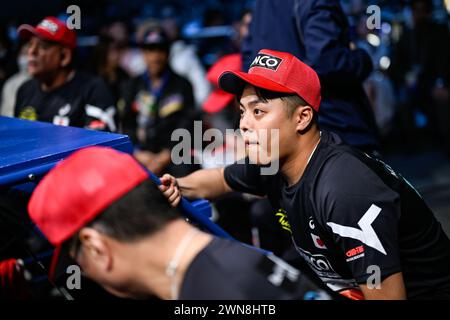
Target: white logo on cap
<point>266,61</point>
<point>49,25</point>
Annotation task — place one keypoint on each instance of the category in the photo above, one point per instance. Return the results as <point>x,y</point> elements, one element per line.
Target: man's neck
<point>53,82</point>
<point>156,79</point>
<point>295,164</point>
<point>154,254</point>
<point>156,82</point>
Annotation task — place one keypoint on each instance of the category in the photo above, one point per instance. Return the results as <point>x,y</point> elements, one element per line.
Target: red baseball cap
<point>78,189</point>
<point>279,72</point>
<point>52,29</point>
<point>219,99</point>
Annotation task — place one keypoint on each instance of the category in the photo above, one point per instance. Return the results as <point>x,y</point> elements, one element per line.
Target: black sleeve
<point>245,177</point>
<point>100,107</point>
<point>128,120</point>
<point>360,214</point>
<point>324,34</point>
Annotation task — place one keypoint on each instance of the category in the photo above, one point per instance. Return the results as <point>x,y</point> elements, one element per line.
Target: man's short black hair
<point>140,213</point>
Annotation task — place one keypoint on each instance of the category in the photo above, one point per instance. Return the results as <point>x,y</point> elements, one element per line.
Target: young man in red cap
<point>58,93</point>
<point>360,226</point>
<point>100,206</point>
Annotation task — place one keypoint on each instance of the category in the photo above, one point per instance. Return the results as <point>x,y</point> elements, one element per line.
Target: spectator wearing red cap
<point>58,93</point>
<point>345,211</point>
<point>115,223</point>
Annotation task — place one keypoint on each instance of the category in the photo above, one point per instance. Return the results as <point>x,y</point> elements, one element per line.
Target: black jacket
<point>172,108</point>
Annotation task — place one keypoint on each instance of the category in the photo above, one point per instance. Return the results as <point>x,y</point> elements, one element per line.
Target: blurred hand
<point>159,162</point>
<point>170,189</point>
<point>155,162</point>
<point>144,157</point>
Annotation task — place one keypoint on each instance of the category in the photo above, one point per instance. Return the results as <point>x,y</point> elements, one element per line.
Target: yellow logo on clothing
<point>282,219</point>
<point>28,113</point>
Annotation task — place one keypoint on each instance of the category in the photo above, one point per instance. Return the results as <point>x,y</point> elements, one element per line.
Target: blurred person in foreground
<point>115,223</point>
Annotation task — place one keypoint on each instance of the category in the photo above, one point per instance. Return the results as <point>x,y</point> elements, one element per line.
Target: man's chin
<point>260,161</point>
<point>32,72</point>
<point>35,73</point>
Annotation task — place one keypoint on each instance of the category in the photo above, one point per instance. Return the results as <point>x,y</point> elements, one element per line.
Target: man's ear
<point>304,116</point>
<point>66,57</point>
<point>96,248</point>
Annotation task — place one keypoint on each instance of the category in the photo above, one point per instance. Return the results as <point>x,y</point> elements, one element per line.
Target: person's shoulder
<point>133,84</point>
<point>136,80</point>
<point>178,79</point>
<point>342,173</point>
<point>29,85</point>
<point>87,79</point>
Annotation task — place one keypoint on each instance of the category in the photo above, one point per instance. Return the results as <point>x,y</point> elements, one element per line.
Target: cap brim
<point>26,31</point>
<point>60,261</point>
<point>217,100</point>
<point>235,81</point>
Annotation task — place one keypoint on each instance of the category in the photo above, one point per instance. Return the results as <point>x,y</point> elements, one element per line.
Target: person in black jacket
<point>158,102</point>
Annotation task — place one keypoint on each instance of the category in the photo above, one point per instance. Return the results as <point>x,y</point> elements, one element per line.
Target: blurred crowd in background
<point>408,88</point>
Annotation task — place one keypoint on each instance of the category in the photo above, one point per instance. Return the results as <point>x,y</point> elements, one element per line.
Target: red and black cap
<point>279,72</point>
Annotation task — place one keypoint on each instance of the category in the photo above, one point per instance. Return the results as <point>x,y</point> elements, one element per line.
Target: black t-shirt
<point>226,270</point>
<point>83,101</point>
<point>350,214</point>
<point>159,112</point>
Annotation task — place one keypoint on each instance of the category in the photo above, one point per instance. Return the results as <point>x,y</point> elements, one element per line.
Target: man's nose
<point>245,122</point>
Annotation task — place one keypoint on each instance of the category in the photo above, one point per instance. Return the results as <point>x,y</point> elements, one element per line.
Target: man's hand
<point>202,184</point>
<point>170,189</point>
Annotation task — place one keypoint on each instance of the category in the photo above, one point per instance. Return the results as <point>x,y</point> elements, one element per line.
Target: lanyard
<point>172,266</point>
<point>157,92</point>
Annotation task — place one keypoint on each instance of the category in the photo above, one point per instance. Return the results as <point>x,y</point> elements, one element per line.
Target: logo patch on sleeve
<point>266,61</point>
<point>366,234</point>
<point>355,253</point>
